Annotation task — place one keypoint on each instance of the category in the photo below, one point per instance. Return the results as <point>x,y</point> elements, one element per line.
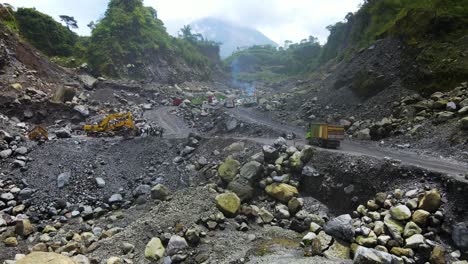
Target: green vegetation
<point>433,30</point>
<point>269,63</point>
<point>130,36</point>
<point>125,42</point>
<point>43,32</point>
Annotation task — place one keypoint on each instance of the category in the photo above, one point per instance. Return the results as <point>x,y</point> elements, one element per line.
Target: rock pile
<point>412,112</point>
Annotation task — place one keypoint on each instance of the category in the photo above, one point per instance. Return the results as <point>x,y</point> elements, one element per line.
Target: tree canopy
<point>46,34</point>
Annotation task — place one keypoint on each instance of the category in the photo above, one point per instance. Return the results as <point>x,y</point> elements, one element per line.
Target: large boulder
<point>460,236</point>
<point>295,161</point>
<point>431,201</point>
<point>464,123</point>
<point>251,170</point>
<point>242,188</point>
<point>281,191</point>
<point>228,203</point>
<point>228,169</point>
<point>64,94</point>
<point>270,154</point>
<point>363,134</point>
<point>340,227</point>
<point>365,255</point>
<point>45,257</point>
<point>154,250</point>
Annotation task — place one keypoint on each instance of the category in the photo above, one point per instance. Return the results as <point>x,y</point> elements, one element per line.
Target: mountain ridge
<point>230,35</point>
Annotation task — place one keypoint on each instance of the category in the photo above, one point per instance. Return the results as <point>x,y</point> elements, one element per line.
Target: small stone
<point>420,217</point>
<point>400,212</point>
<point>176,244</point>
<point>398,251</point>
<point>431,201</point>
<point>438,255</point>
<point>63,179</point>
<point>127,248</point>
<point>415,241</point>
<point>114,260</point>
<point>295,205</point>
<point>23,228</point>
<point>11,242</point>
<point>100,182</point>
<point>160,192</point>
<point>314,227</point>
<point>411,229</point>
<point>116,198</point>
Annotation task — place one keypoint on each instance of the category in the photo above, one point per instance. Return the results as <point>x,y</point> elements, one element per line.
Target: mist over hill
<point>230,35</point>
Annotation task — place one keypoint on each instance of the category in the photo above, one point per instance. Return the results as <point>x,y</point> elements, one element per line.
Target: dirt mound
<point>23,64</point>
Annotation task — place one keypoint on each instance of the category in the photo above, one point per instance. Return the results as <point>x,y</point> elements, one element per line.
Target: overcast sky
<point>280,20</point>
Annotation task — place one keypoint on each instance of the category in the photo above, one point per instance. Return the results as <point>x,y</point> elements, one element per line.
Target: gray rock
<point>25,193</point>
<point>160,192</point>
<point>310,171</point>
<point>176,244</point>
<point>142,189</point>
<point>7,196</point>
<point>251,170</point>
<point>340,227</point>
<point>365,255</point>
<point>242,188</point>
<point>21,151</point>
<point>116,198</point>
<point>63,179</point>
<point>231,124</point>
<point>270,154</point>
<point>363,134</point>
<point>82,109</point>
<point>186,151</point>
<point>19,163</point>
<point>6,153</point>
<point>100,182</point>
<point>63,133</point>
<point>460,236</point>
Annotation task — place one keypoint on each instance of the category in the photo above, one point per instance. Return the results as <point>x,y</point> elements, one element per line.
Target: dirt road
<point>174,126</point>
<point>445,165</point>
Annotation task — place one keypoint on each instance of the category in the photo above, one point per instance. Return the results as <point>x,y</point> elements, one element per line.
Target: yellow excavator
<point>38,133</point>
<point>113,124</point>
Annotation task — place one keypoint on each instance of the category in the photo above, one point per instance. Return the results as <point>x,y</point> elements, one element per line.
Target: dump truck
<point>325,135</point>
<point>113,124</point>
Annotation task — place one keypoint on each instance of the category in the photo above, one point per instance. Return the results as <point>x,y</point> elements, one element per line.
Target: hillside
<point>158,158</point>
<point>230,36</point>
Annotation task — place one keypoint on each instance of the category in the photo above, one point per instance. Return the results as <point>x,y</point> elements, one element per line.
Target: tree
<point>69,21</point>
<point>46,34</point>
<point>91,25</point>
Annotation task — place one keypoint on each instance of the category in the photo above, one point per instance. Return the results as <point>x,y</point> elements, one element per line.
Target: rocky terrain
<point>221,185</point>
<point>380,109</point>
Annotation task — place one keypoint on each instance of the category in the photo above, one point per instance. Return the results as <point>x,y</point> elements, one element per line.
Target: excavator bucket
<point>38,133</point>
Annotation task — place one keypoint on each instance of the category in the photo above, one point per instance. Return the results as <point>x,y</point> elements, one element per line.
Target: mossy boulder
<point>228,169</point>
<point>154,250</point>
<point>228,203</point>
<point>431,201</point>
<point>281,191</point>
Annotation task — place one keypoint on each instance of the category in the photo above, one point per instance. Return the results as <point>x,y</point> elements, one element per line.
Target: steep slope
<point>230,36</point>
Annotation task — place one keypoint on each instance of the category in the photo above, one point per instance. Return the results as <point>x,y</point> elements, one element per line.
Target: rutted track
<point>451,167</point>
